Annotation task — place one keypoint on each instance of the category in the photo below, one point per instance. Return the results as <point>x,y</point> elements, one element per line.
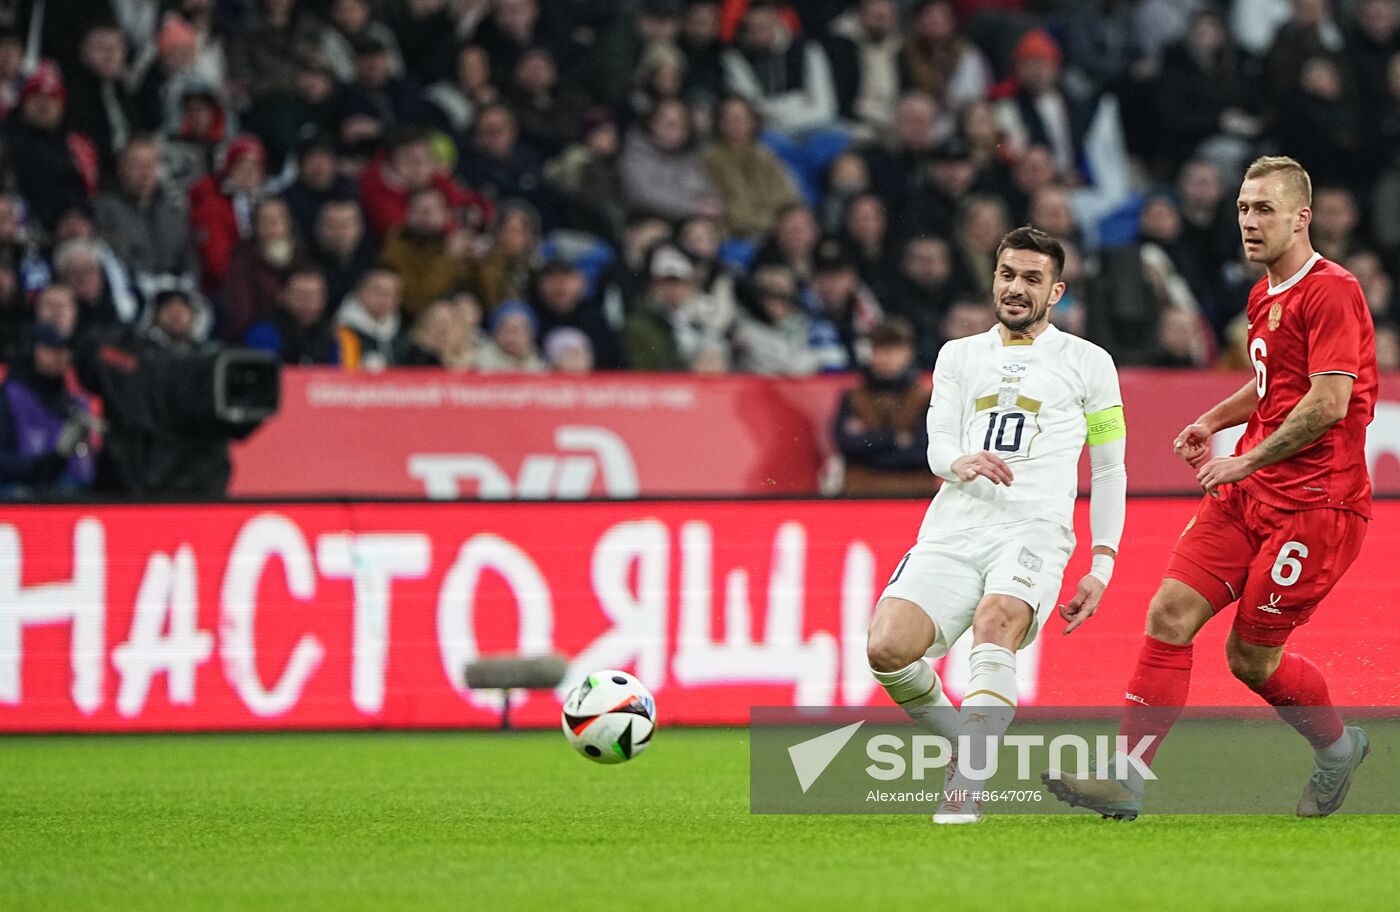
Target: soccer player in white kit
<point>1012,409</point>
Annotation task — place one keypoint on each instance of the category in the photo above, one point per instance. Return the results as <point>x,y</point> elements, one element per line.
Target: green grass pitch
<point>380,821</point>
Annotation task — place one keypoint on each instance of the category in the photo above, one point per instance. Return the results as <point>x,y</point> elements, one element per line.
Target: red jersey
<point>1316,322</point>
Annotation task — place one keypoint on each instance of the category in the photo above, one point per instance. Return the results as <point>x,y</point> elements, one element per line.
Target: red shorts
<point>1278,563</point>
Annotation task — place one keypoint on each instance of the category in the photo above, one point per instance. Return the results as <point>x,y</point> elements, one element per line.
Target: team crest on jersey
<point>1006,397</point>
<point>1275,316</point>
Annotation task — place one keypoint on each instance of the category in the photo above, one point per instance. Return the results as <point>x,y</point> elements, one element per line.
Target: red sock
<point>1299,693</point>
<point>1156,693</point>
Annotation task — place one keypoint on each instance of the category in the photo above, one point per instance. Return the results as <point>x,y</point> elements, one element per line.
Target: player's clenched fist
<point>987,464</point>
<point>1193,444</point>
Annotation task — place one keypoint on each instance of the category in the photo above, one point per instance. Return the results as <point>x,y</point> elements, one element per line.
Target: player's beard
<point>1035,312</point>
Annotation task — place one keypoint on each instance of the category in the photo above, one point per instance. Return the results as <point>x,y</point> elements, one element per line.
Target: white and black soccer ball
<point>610,717</point>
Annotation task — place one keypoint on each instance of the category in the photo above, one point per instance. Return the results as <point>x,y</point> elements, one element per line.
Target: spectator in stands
<point>11,69</point>
<point>426,35</point>
<point>200,125</point>
<point>775,335</point>
<point>922,292</point>
<point>1321,125</point>
<point>56,305</point>
<point>896,162</point>
<point>1376,285</point>
<point>752,185</point>
<point>312,106</point>
<point>318,181</point>
<point>700,42</point>
<point>787,77</point>
<point>298,330</point>
<point>349,22</point>
<point>880,425</point>
<point>1180,340</point>
<point>78,264</point>
<point>660,76</point>
<point>100,106</point>
<point>561,301</point>
<point>1050,212</point>
<point>173,324</point>
<point>699,238</point>
<point>512,346</point>
<point>847,178</point>
<point>221,208</point>
<point>447,334</point>
<point>865,232</point>
<point>513,27</point>
<point>263,53</point>
<point>259,268</point>
<point>662,172</point>
<point>378,99</point>
<point>953,177</point>
<point>982,223</point>
<point>1335,222</point>
<point>54,169</point>
<point>430,257</point>
<point>1040,112</point>
<point>1031,172</point>
<point>977,125</point>
<point>342,250</point>
<point>1208,226</point>
<point>409,163</point>
<point>44,428</point>
<point>1202,91</point>
<point>500,165</point>
<point>369,323</point>
<point>175,60</point>
<point>549,112</point>
<point>837,295</point>
<point>939,62</point>
<point>503,272</point>
<point>665,329</point>
<point>568,351</point>
<point>793,241</point>
<point>589,169</point>
<point>1310,33</point>
<point>143,223</point>
<point>453,103</point>
<point>618,53</point>
<point>967,317</point>
<point>863,49</point>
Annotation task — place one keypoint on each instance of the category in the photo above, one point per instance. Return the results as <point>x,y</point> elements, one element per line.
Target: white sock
<point>1336,753</point>
<point>919,692</point>
<point>990,702</point>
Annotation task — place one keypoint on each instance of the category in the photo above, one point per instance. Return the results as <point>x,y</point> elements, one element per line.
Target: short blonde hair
<point>1296,179</point>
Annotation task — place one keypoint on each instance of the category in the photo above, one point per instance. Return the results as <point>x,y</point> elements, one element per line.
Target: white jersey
<point>1025,402</point>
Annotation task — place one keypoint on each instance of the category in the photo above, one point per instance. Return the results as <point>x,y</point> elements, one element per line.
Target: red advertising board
<point>448,436</point>
<point>364,616</point>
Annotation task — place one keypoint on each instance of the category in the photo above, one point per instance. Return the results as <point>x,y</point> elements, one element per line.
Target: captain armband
<point>1106,426</point>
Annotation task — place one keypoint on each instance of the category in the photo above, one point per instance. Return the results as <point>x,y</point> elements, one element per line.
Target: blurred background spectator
<point>881,425</point>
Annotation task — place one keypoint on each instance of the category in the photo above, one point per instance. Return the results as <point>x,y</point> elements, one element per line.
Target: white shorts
<point>949,573</point>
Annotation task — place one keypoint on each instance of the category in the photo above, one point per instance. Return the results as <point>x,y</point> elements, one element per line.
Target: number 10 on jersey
<point>1004,431</point>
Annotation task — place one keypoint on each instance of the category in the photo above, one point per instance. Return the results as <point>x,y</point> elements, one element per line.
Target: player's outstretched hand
<point>1193,444</point>
<point>987,464</point>
<point>1084,603</point>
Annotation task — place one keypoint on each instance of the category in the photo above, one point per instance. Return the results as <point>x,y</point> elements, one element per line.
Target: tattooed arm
<point>1323,406</point>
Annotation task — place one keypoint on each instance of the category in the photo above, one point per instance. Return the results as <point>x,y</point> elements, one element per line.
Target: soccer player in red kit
<point>1283,517</point>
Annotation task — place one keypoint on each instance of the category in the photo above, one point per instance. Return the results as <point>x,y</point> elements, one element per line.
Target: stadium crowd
<point>667,185</point>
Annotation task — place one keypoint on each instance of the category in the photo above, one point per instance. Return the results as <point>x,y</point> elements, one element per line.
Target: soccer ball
<point>610,717</point>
